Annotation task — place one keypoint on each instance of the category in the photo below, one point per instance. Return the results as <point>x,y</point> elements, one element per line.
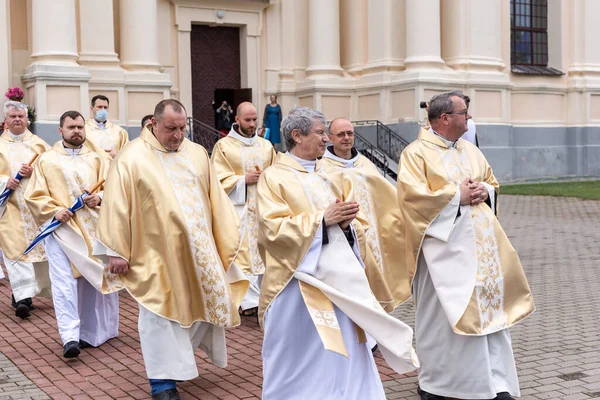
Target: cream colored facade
<point>360,59</point>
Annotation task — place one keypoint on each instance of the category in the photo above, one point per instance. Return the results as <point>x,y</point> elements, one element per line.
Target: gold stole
<point>489,286</point>
<point>251,162</point>
<point>211,274</point>
<point>77,175</point>
<point>321,309</point>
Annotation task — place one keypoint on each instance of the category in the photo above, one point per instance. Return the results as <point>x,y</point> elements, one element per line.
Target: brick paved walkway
<point>557,349</point>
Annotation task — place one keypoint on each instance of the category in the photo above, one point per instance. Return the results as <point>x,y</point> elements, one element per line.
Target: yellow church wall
<point>487,106</point>
<point>538,108</point>
<point>403,104</point>
<point>141,104</point>
<point>369,106</point>
<point>336,106</point>
<point>62,98</point>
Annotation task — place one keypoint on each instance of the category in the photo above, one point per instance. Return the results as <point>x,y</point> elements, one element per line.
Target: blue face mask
<point>101,115</point>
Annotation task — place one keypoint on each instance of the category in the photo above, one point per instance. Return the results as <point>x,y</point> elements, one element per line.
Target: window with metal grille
<point>529,32</point>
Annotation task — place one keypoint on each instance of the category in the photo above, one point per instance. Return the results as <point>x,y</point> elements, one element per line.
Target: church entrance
<point>216,77</point>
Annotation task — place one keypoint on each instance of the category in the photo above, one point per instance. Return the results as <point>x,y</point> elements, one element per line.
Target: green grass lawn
<point>589,190</point>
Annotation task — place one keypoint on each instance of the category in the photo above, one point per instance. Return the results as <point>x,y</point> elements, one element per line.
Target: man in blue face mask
<point>108,136</point>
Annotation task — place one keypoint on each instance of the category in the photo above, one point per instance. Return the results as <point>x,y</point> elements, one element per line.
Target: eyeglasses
<point>458,112</point>
<point>342,135</point>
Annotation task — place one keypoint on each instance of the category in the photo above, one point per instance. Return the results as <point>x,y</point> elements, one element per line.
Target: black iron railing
<point>388,141</point>
<point>203,134</point>
<point>375,155</point>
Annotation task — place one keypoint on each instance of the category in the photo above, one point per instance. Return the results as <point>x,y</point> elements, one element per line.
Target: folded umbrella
<point>7,192</point>
<point>77,205</point>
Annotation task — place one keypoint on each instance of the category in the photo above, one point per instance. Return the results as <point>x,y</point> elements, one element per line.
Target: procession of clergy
<point>315,239</point>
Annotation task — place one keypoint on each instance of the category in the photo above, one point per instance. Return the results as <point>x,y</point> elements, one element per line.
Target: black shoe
<point>71,349</point>
<point>29,303</point>
<point>22,311</point>
<point>428,396</point>
<point>250,312</point>
<point>503,396</point>
<point>84,345</point>
<point>374,349</point>
<point>169,394</point>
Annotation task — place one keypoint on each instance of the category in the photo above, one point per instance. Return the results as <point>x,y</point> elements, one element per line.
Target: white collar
<point>249,141</point>
<point>448,142</point>
<point>347,163</point>
<point>72,152</point>
<point>309,165</point>
<point>101,125</point>
<point>17,138</point>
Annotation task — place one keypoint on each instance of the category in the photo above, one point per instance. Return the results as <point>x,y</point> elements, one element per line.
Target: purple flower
<point>15,94</point>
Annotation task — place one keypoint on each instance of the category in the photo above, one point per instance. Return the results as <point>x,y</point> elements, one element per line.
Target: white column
<point>472,35</point>
<point>97,40</point>
<point>184,43</point>
<point>54,32</point>
<point>353,15</point>
<point>4,48</point>
<point>324,38</point>
<point>287,43</point>
<point>273,46</point>
<point>386,42</point>
<point>54,79</point>
<point>139,35</point>
<point>423,43</point>
<point>586,52</point>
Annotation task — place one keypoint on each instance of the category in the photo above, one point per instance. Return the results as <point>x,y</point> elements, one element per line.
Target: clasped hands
<point>472,193</point>
<point>341,212</point>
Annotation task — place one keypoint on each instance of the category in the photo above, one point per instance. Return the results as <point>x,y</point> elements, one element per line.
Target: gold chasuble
<point>291,204</point>
<point>112,137</point>
<point>167,215</point>
<point>233,157</point>
<point>17,227</point>
<point>385,264</point>
<point>60,177</point>
<point>429,177</point>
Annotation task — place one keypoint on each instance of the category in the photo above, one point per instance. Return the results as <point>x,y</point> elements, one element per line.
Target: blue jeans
<point>160,385</point>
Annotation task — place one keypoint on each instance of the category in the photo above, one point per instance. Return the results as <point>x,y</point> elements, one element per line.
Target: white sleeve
<point>471,131</point>
<point>492,194</point>
<point>3,182</point>
<point>99,249</point>
<point>238,193</point>
<point>310,261</point>
<point>443,224</point>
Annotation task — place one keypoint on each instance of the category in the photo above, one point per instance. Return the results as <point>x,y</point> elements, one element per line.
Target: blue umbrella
<point>77,205</point>
<point>7,192</point>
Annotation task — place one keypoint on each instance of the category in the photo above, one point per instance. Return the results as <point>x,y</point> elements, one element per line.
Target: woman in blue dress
<point>272,119</point>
